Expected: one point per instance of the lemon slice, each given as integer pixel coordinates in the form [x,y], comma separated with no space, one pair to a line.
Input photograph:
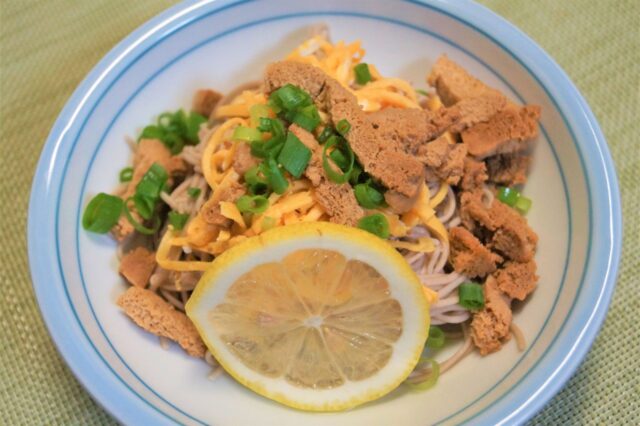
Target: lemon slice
[316,316]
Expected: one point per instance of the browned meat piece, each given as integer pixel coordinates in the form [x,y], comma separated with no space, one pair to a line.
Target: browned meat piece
[204,101]
[469,112]
[517,280]
[408,128]
[469,256]
[490,326]
[242,158]
[511,235]
[210,211]
[137,266]
[506,132]
[453,83]
[153,314]
[444,159]
[508,169]
[475,175]
[381,158]
[338,200]
[148,151]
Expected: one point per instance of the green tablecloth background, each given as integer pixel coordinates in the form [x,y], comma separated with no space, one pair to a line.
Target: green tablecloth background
[47,47]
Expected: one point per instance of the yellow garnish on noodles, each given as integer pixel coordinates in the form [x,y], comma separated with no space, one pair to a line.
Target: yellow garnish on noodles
[440,195]
[230,211]
[163,257]
[209,165]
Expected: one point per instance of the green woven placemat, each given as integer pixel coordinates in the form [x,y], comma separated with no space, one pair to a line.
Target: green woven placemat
[47,47]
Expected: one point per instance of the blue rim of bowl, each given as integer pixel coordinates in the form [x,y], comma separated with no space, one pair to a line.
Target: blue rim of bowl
[474,16]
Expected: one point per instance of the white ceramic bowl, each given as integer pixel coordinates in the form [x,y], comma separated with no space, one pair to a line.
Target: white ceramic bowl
[222,43]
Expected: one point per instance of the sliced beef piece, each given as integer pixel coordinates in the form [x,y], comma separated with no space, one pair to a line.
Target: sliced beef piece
[469,256]
[474,175]
[517,280]
[137,266]
[469,112]
[444,159]
[382,158]
[490,326]
[204,101]
[152,313]
[242,158]
[210,211]
[508,131]
[508,231]
[453,83]
[338,200]
[508,169]
[148,151]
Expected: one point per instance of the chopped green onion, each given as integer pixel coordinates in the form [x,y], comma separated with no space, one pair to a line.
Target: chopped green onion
[343,127]
[339,158]
[307,118]
[258,111]
[126,174]
[145,206]
[137,225]
[272,125]
[193,192]
[178,220]
[247,134]
[471,296]
[290,97]
[102,213]
[294,156]
[331,173]
[152,182]
[274,175]
[509,196]
[326,133]
[363,75]
[194,121]
[422,92]
[270,148]
[376,223]
[523,204]
[436,337]
[152,132]
[355,174]
[425,379]
[367,196]
[256,184]
[252,204]
[175,130]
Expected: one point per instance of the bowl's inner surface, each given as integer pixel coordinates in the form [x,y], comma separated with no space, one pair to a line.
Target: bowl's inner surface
[223,49]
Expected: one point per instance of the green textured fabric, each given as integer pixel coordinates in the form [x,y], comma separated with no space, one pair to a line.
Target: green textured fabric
[47,47]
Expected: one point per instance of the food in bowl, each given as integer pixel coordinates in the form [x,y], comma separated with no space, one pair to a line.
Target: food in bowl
[325,137]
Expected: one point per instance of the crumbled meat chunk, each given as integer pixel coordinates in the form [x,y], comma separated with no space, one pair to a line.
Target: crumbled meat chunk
[153,314]
[508,131]
[469,256]
[490,327]
[474,176]
[511,235]
[137,266]
[469,112]
[204,101]
[148,151]
[407,127]
[337,200]
[242,158]
[508,169]
[210,211]
[445,160]
[517,280]
[383,159]
[453,83]
[400,203]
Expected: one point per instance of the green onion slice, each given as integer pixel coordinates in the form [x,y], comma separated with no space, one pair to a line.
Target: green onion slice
[428,378]
[471,296]
[102,213]
[326,133]
[307,117]
[137,225]
[422,92]
[193,192]
[523,204]
[290,97]
[367,196]
[333,175]
[343,127]
[274,175]
[294,156]
[436,337]
[178,220]
[509,196]
[247,134]
[126,174]
[363,75]
[256,183]
[252,204]
[376,223]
